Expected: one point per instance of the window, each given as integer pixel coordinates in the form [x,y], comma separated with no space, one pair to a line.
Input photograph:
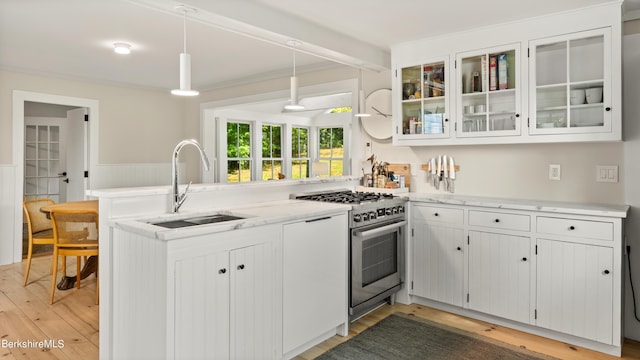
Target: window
[238,152]
[271,151]
[331,149]
[300,153]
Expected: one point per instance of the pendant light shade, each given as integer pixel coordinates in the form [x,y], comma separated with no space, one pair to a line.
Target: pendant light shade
[185,62]
[361,106]
[294,82]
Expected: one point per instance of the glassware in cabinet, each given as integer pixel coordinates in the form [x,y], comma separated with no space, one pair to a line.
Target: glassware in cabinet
[424,101]
[488,96]
[569,83]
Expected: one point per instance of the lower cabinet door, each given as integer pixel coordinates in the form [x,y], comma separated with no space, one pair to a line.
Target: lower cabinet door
[438,263]
[202,307]
[500,275]
[575,289]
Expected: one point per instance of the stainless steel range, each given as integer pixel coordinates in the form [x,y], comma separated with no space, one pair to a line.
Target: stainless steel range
[377,224]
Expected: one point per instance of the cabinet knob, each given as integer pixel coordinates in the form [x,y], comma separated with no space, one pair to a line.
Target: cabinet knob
[524,259]
[606,272]
[222,271]
[241,266]
[572,227]
[446,120]
[607,108]
[517,115]
[458,248]
[497,220]
[436,214]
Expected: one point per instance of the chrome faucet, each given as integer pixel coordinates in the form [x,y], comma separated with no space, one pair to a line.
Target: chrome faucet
[176,198]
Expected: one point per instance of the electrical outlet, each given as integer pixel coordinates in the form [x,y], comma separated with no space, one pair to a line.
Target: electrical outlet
[607,173]
[554,172]
[367,149]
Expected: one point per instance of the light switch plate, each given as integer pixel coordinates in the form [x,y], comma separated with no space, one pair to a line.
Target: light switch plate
[607,173]
[367,149]
[554,172]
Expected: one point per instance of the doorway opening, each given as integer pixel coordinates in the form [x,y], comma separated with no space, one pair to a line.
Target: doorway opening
[28,164]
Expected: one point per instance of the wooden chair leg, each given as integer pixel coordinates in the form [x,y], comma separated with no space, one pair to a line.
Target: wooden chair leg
[26,271]
[78,272]
[53,275]
[97,285]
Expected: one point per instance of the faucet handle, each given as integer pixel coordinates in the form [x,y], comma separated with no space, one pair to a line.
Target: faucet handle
[182,197]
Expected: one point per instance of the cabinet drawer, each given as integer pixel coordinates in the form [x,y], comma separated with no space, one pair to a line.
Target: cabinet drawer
[578,228]
[432,213]
[499,220]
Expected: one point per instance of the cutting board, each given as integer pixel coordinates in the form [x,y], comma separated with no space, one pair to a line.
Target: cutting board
[402,169]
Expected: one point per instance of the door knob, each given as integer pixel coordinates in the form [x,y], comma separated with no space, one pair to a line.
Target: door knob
[66,180]
[64,173]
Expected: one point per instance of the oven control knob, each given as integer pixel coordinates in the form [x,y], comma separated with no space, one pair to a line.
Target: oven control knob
[381,212]
[395,210]
[401,209]
[388,211]
[356,218]
[372,215]
[365,216]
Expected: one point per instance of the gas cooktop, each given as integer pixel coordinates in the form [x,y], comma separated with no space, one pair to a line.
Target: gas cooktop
[343,196]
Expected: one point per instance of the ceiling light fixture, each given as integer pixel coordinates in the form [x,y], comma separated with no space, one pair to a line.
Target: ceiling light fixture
[185,61]
[361,109]
[122,48]
[294,80]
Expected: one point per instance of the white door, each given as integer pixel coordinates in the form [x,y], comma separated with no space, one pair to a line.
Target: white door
[44,159]
[76,153]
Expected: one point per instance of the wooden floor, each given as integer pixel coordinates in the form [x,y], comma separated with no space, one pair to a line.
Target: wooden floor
[630,350]
[26,316]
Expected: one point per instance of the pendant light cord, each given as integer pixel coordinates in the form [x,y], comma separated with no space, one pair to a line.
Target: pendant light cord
[294,62]
[185,31]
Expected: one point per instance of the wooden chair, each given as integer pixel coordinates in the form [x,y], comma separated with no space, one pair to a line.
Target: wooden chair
[75,233]
[39,228]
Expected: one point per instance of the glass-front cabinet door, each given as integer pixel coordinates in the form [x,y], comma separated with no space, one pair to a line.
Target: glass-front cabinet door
[488,92]
[570,83]
[425,90]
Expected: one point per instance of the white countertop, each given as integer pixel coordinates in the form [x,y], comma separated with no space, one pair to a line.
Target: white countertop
[255,215]
[618,211]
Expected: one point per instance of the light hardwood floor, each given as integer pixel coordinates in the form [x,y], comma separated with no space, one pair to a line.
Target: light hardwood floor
[26,316]
[630,350]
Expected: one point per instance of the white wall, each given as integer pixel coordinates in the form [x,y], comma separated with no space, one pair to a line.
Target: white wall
[631,115]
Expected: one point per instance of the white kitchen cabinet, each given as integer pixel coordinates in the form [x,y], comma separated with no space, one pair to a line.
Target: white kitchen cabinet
[315,281]
[424,100]
[544,59]
[438,254]
[488,92]
[575,289]
[223,304]
[500,275]
[571,84]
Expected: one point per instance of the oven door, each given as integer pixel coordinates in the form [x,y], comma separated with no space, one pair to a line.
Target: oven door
[376,260]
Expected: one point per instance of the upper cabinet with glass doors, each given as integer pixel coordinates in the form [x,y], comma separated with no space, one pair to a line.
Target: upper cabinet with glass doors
[488,96]
[570,83]
[552,78]
[424,100]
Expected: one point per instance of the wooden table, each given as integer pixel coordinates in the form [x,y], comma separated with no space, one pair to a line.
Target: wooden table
[71,205]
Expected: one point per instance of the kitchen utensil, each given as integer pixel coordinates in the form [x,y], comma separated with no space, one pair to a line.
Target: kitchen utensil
[577,96]
[445,171]
[439,172]
[432,164]
[594,95]
[452,173]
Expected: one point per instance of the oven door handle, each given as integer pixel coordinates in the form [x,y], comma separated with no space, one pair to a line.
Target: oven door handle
[380,230]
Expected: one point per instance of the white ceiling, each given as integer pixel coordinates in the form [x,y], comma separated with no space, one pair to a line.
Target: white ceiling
[73,38]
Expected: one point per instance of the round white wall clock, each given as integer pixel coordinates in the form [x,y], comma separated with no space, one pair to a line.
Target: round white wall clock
[379,124]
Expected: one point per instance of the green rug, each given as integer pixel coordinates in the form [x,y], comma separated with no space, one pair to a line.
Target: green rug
[401,336]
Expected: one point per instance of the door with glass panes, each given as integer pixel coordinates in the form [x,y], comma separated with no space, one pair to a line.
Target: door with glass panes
[43,164]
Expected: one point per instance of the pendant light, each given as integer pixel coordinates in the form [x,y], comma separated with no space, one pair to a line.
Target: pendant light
[294,81]
[361,106]
[185,61]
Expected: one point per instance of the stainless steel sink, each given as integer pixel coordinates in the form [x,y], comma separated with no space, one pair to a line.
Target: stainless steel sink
[210,219]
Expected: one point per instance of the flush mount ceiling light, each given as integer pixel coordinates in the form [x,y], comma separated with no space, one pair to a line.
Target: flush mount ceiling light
[185,61]
[361,110]
[294,80]
[122,48]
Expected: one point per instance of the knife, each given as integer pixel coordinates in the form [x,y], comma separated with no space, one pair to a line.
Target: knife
[439,172]
[432,164]
[445,170]
[452,173]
